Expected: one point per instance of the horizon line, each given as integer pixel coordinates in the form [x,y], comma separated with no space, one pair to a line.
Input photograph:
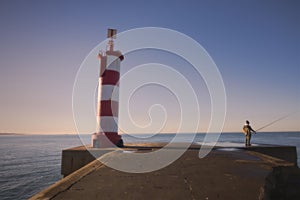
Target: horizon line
[225,132]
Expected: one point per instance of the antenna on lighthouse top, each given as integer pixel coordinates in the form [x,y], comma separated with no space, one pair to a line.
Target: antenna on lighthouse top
[111,34]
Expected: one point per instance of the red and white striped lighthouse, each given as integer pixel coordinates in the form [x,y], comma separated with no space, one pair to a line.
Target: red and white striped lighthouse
[108,97]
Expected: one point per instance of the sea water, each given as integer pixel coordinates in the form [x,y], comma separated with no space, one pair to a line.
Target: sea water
[30,163]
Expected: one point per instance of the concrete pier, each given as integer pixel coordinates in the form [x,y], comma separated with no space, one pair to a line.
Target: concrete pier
[226,173]
[77,157]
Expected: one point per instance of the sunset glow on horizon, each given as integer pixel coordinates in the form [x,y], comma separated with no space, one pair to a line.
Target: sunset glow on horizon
[255,45]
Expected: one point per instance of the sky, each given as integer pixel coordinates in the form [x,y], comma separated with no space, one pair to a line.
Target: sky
[255,45]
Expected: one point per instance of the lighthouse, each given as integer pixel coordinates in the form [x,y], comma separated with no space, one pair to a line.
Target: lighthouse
[106,134]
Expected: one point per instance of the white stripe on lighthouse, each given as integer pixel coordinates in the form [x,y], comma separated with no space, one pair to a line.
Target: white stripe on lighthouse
[108,124]
[110,92]
[98,105]
[113,63]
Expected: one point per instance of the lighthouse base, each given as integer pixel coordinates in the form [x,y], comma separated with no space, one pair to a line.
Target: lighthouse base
[104,140]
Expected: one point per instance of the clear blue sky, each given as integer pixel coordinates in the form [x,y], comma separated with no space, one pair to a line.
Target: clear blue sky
[255,44]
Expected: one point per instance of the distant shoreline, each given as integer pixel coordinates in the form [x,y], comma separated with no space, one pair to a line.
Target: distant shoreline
[30,134]
[12,134]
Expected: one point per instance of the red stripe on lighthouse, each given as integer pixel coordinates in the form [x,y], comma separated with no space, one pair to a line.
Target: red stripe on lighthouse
[109,108]
[113,137]
[110,77]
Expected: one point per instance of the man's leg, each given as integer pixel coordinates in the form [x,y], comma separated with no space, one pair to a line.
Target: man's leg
[249,139]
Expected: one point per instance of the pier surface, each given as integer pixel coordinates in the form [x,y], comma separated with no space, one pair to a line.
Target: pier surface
[226,173]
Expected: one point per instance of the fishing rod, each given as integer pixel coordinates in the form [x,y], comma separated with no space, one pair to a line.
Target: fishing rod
[273,122]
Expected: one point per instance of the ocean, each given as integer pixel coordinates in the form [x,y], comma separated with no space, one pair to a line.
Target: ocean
[30,163]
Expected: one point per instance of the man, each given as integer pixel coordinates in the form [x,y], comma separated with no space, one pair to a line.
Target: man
[247,129]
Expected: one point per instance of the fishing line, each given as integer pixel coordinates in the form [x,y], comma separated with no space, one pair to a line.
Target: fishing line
[273,122]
